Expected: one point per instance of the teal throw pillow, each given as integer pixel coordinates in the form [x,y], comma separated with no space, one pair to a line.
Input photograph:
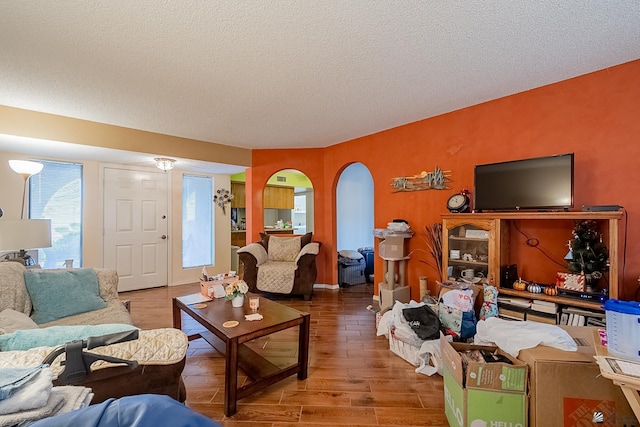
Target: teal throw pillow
[52,336]
[62,293]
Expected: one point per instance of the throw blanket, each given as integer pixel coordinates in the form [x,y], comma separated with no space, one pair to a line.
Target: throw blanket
[164,346]
[515,336]
[278,276]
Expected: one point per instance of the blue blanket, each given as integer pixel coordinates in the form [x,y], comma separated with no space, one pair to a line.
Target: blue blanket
[145,410]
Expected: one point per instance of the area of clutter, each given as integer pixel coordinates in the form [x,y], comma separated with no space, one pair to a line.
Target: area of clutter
[498,371]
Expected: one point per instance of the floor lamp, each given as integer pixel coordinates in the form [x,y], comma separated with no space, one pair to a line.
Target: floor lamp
[18,235]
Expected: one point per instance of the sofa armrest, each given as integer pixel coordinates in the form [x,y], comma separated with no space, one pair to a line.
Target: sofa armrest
[108,284]
[249,270]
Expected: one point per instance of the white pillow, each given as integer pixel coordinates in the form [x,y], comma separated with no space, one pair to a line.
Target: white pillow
[347,253]
[11,321]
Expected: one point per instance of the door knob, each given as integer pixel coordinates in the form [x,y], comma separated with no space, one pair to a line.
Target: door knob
[163,237]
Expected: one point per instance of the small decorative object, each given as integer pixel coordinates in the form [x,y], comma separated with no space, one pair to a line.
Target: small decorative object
[460,202]
[534,288]
[238,301]
[490,304]
[254,304]
[235,292]
[589,254]
[550,290]
[573,282]
[433,240]
[520,285]
[436,180]
[222,198]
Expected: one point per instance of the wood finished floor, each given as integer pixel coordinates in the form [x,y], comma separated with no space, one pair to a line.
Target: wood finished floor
[354,379]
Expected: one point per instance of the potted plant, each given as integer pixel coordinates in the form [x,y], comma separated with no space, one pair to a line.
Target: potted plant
[235,292]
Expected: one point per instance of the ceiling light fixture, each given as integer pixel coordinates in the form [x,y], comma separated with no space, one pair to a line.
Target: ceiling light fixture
[164,163]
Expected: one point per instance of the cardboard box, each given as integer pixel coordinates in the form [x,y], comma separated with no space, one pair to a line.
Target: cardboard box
[393,247]
[388,297]
[479,393]
[567,388]
[214,288]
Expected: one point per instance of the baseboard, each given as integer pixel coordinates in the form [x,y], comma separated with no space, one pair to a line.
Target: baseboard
[325,286]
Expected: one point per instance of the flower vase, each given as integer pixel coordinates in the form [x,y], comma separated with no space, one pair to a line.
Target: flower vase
[238,301]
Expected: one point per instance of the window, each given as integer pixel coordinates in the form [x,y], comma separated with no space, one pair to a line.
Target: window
[56,194]
[197,221]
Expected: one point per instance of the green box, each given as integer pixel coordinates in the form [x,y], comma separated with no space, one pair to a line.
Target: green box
[475,407]
[480,394]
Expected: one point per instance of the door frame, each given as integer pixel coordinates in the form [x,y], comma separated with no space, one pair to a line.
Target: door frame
[101,192]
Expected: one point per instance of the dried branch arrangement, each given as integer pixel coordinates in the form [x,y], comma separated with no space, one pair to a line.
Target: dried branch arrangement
[434,244]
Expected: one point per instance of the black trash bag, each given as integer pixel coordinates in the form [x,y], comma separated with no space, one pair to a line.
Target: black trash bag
[424,322]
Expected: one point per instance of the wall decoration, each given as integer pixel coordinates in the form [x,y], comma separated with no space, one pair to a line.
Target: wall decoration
[436,180]
[222,198]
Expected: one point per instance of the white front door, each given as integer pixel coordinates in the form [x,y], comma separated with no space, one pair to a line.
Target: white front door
[135,227]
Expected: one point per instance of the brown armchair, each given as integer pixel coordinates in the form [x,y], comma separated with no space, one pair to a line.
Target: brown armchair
[280,265]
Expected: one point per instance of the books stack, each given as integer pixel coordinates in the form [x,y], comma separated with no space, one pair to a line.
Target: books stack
[513,308]
[573,316]
[544,306]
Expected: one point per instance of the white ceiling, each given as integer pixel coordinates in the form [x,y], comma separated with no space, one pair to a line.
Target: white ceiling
[280,74]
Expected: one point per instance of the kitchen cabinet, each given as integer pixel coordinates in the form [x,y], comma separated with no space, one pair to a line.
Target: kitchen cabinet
[238,238]
[276,197]
[238,191]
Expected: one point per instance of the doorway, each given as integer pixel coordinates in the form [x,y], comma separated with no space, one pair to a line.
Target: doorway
[288,203]
[136,227]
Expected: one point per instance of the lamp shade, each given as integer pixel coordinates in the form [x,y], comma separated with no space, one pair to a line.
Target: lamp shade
[25,167]
[25,234]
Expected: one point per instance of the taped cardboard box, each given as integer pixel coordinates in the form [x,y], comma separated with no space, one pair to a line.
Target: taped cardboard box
[480,393]
[393,247]
[566,388]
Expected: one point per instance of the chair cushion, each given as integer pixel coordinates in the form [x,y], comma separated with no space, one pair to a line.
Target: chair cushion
[284,248]
[11,321]
[304,239]
[57,335]
[62,293]
[351,254]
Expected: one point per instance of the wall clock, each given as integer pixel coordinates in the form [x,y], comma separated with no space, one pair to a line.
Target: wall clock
[459,203]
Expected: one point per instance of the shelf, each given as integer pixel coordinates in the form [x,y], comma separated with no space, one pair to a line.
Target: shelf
[573,302]
[463,262]
[467,239]
[576,215]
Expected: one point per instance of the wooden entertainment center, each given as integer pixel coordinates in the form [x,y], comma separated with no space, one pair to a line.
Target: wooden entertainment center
[484,239]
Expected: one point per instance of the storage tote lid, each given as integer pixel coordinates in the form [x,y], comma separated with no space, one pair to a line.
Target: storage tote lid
[625,307]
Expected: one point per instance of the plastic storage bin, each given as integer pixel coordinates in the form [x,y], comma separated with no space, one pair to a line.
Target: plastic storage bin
[367,253]
[623,328]
[350,271]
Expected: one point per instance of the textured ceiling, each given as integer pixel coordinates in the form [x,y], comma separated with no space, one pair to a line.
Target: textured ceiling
[280,74]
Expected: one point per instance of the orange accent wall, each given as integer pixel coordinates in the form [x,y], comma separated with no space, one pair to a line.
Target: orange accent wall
[596,116]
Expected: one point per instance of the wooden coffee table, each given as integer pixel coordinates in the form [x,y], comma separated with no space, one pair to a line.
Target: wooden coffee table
[230,342]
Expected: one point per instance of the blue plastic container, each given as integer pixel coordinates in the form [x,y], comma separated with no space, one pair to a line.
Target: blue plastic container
[623,328]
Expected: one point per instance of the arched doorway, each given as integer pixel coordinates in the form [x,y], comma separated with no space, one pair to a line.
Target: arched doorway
[288,203]
[354,212]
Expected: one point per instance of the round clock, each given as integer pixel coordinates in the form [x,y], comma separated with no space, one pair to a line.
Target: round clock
[458,203]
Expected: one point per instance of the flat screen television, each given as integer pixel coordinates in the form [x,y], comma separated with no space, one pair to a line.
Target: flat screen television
[542,183]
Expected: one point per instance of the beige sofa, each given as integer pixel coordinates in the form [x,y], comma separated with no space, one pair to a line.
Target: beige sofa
[14,295]
[160,353]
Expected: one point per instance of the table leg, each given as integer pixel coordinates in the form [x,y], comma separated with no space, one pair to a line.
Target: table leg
[177,315]
[231,377]
[303,346]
